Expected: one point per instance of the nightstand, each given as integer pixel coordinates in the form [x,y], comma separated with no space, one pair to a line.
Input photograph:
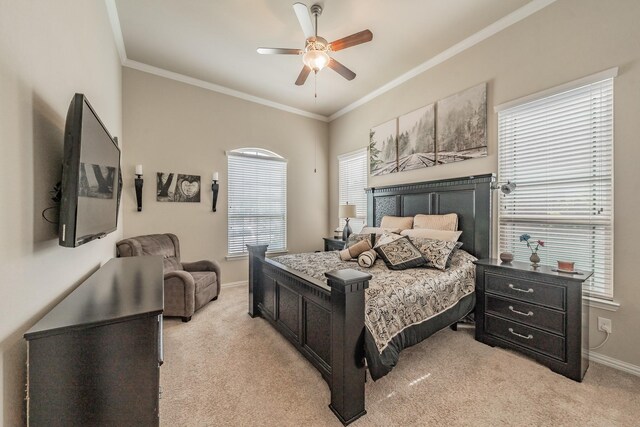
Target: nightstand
[331,244]
[538,312]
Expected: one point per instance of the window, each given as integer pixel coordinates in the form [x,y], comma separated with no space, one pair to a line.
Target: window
[352,181]
[558,149]
[257,202]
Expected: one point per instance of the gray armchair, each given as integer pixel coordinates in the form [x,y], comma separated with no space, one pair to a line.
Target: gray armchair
[188,286]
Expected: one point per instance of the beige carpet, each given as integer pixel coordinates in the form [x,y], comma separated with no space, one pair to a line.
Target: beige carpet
[225,369]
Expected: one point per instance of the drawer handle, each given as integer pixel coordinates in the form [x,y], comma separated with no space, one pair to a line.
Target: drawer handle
[526,337]
[530,313]
[526,291]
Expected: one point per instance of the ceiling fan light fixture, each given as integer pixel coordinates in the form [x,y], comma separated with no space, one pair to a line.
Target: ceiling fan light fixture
[315,59]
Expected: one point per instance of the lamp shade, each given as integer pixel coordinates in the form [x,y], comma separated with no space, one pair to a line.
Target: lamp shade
[347,211]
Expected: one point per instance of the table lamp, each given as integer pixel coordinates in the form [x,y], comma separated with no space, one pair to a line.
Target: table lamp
[347,211]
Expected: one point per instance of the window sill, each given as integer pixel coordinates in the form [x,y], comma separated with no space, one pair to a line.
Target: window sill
[600,303]
[239,257]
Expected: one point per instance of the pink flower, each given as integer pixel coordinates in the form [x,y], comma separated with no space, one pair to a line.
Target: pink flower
[541,243]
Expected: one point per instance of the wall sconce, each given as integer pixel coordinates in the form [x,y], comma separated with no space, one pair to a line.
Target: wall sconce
[506,189]
[214,189]
[138,183]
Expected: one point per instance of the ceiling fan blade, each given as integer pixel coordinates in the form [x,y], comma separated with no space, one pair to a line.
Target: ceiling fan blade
[277,50]
[302,12]
[341,69]
[302,77]
[352,40]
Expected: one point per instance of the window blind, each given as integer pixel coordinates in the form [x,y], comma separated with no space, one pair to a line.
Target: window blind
[352,181]
[559,152]
[257,201]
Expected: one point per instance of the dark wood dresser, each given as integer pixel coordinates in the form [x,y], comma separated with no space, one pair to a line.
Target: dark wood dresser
[331,244]
[538,312]
[94,359]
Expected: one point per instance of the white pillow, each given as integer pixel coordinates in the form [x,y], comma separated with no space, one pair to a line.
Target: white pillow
[379,230]
[426,233]
[401,222]
[436,222]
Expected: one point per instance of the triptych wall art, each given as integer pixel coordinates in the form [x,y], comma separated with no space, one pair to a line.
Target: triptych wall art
[451,130]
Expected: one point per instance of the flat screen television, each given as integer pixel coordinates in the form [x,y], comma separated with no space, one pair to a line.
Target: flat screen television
[91,177]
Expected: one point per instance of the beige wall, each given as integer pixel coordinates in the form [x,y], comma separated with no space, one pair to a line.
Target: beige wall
[563,42]
[175,127]
[48,51]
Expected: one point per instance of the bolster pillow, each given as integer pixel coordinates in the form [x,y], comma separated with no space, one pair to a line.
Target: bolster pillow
[367,258]
[354,250]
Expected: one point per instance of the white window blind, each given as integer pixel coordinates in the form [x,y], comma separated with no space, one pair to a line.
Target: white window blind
[257,205]
[352,181]
[559,152]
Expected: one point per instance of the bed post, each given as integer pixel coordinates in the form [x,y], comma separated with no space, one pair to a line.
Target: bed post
[347,343]
[256,256]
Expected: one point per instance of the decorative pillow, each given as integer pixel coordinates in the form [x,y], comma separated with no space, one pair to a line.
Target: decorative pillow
[401,222]
[400,254]
[386,238]
[354,250]
[367,258]
[356,238]
[435,252]
[436,222]
[455,249]
[427,233]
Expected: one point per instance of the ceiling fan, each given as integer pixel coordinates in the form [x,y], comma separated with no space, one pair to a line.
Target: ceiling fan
[315,54]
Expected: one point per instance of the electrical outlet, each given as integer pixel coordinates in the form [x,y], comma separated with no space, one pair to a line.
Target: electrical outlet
[604,324]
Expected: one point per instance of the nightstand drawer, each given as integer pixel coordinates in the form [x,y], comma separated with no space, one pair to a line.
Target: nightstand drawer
[525,290]
[534,339]
[533,315]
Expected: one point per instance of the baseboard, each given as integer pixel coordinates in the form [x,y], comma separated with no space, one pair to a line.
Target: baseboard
[234,284]
[614,363]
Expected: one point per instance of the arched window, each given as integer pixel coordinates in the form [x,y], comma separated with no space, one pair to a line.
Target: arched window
[257,200]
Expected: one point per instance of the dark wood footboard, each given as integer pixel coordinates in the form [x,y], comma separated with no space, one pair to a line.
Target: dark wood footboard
[325,322]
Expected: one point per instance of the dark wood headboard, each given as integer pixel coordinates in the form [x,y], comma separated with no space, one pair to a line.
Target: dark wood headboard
[469,197]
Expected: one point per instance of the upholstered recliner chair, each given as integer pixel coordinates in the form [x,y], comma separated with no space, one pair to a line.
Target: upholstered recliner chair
[188,286]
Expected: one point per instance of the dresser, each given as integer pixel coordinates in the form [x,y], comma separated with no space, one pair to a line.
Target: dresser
[95,358]
[538,312]
[331,244]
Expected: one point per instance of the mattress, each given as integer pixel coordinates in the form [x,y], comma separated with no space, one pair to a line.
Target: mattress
[399,305]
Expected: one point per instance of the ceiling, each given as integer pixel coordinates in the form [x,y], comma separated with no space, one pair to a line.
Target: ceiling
[215,41]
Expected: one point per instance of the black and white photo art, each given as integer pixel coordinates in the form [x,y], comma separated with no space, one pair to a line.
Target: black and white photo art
[174,187]
[416,139]
[383,150]
[462,125]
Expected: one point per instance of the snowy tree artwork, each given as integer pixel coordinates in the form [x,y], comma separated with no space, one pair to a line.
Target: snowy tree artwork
[383,150]
[462,126]
[416,139]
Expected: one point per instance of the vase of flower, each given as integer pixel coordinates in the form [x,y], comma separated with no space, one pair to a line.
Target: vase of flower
[535,259]
[533,245]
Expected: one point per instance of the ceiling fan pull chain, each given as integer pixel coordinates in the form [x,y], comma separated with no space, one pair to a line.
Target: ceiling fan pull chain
[315,85]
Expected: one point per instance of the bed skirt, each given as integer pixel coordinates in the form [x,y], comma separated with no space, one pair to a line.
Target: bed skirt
[380,364]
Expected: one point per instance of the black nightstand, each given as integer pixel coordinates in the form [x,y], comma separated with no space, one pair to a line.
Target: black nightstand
[331,244]
[538,312]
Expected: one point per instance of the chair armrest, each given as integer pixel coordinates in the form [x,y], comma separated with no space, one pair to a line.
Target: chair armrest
[181,275]
[203,265]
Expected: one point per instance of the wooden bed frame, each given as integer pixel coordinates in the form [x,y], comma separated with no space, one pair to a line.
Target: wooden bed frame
[325,322]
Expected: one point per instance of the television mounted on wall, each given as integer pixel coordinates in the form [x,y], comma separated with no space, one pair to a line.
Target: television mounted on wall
[91,177]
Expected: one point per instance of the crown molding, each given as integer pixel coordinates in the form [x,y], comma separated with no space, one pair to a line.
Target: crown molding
[501,24]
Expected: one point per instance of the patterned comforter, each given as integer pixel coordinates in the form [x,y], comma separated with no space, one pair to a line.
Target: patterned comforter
[396,300]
